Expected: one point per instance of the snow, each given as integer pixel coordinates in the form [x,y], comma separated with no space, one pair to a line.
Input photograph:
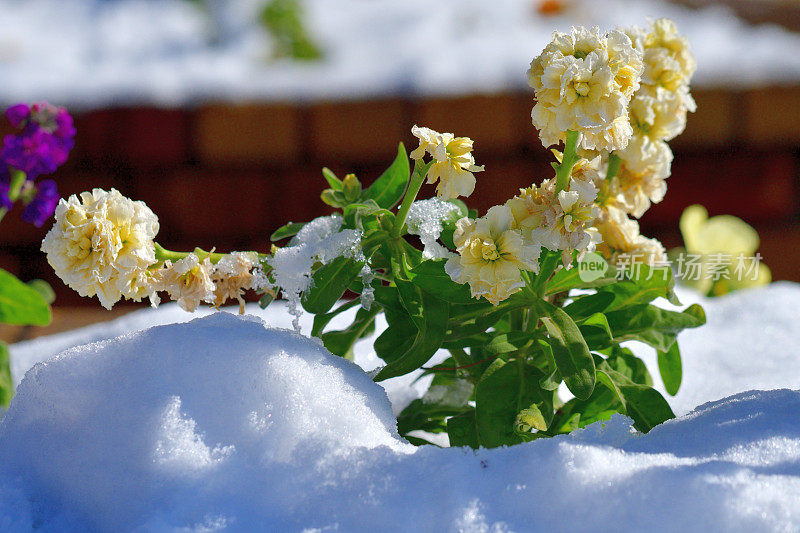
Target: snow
[425,219]
[92,53]
[222,423]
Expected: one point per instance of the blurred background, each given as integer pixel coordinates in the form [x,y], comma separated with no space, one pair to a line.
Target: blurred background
[219,114]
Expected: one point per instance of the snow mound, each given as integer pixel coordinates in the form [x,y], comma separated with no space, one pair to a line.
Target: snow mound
[175,418]
[223,424]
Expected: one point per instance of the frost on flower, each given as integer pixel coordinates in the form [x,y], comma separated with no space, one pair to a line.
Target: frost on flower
[560,222]
[621,241]
[102,244]
[320,241]
[583,82]
[188,281]
[453,164]
[425,219]
[233,275]
[491,255]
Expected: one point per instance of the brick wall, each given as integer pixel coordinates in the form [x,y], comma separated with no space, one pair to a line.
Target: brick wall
[228,175]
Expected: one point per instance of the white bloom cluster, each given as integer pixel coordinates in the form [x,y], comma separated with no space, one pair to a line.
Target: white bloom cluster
[658,114]
[560,222]
[621,239]
[102,244]
[425,219]
[583,82]
[453,163]
[491,254]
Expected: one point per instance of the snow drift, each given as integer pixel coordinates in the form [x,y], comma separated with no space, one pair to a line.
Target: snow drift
[224,424]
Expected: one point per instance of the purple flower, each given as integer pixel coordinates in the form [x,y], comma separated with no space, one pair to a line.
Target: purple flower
[43,205]
[5,186]
[18,115]
[34,152]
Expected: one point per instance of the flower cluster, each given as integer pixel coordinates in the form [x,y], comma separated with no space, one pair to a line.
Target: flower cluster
[453,164]
[43,144]
[102,244]
[584,82]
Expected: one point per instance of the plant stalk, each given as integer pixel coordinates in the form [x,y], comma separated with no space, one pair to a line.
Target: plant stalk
[417,177]
[568,160]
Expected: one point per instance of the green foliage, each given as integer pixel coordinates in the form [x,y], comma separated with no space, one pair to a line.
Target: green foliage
[507,361]
[21,304]
[284,21]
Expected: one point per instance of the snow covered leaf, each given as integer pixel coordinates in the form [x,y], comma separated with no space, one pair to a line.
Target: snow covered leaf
[330,282]
[288,230]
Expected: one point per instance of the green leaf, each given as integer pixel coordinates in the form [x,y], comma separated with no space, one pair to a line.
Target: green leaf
[670,368]
[652,325]
[510,342]
[507,397]
[388,189]
[642,403]
[626,363]
[432,314]
[564,280]
[648,285]
[330,282]
[43,288]
[20,304]
[341,342]
[6,383]
[596,331]
[463,430]
[585,306]
[289,230]
[431,277]
[570,351]
[447,396]
[322,319]
[334,182]
[552,380]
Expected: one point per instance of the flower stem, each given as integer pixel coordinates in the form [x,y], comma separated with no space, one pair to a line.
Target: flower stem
[568,160]
[417,177]
[14,188]
[614,164]
[162,254]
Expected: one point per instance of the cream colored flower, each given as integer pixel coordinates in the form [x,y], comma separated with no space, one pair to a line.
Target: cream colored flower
[668,60]
[622,244]
[101,244]
[659,113]
[453,164]
[491,255]
[583,81]
[641,179]
[232,276]
[188,281]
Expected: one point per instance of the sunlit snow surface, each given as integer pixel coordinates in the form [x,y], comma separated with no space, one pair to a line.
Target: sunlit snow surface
[90,53]
[223,424]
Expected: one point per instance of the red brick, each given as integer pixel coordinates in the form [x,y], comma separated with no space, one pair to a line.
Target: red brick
[209,204]
[357,131]
[752,185]
[771,116]
[491,121]
[153,136]
[715,123]
[249,133]
[780,249]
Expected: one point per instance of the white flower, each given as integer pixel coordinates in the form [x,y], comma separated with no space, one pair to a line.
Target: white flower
[659,113]
[641,179]
[622,243]
[491,255]
[188,281]
[232,275]
[584,82]
[453,164]
[102,244]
